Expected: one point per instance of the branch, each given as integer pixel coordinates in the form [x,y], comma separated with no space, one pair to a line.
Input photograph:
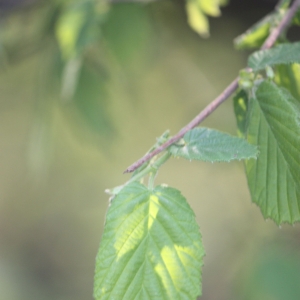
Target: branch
[199,118]
[229,90]
[286,20]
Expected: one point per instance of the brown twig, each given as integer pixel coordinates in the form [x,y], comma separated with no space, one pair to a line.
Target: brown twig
[229,90]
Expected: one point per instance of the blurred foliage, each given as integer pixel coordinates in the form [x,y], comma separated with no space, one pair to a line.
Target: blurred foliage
[255,36]
[85,41]
[125,39]
[272,274]
[197,11]
[68,30]
[81,42]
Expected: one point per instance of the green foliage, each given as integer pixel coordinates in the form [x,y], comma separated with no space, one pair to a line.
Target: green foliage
[273,123]
[197,11]
[77,29]
[127,32]
[213,146]
[78,26]
[255,36]
[281,54]
[151,247]
[90,100]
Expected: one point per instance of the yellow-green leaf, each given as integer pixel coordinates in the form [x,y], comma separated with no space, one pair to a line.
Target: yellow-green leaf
[196,19]
[151,247]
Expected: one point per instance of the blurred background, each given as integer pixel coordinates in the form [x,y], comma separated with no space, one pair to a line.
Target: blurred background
[86,87]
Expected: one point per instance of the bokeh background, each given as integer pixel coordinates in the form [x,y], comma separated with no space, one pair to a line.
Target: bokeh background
[86,87]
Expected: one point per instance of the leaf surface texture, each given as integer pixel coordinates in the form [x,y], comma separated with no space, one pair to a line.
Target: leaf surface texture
[151,247]
[274,178]
[211,145]
[281,54]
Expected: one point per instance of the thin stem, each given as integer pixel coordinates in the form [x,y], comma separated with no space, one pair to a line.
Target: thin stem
[206,112]
[151,180]
[229,90]
[286,20]
[151,168]
[161,160]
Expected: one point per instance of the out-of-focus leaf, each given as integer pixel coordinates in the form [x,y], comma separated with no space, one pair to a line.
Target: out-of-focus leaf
[90,101]
[79,25]
[255,36]
[281,54]
[151,247]
[212,145]
[68,29]
[209,7]
[128,32]
[274,178]
[296,19]
[197,11]
[196,18]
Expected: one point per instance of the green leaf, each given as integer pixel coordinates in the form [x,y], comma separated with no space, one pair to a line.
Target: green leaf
[197,11]
[210,7]
[78,26]
[212,145]
[274,178]
[281,54]
[151,247]
[255,36]
[197,19]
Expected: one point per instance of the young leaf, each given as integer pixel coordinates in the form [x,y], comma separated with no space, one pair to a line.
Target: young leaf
[196,18]
[212,145]
[255,36]
[197,11]
[281,54]
[151,247]
[274,178]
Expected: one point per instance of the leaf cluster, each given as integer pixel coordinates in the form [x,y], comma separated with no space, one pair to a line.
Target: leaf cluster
[152,247]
